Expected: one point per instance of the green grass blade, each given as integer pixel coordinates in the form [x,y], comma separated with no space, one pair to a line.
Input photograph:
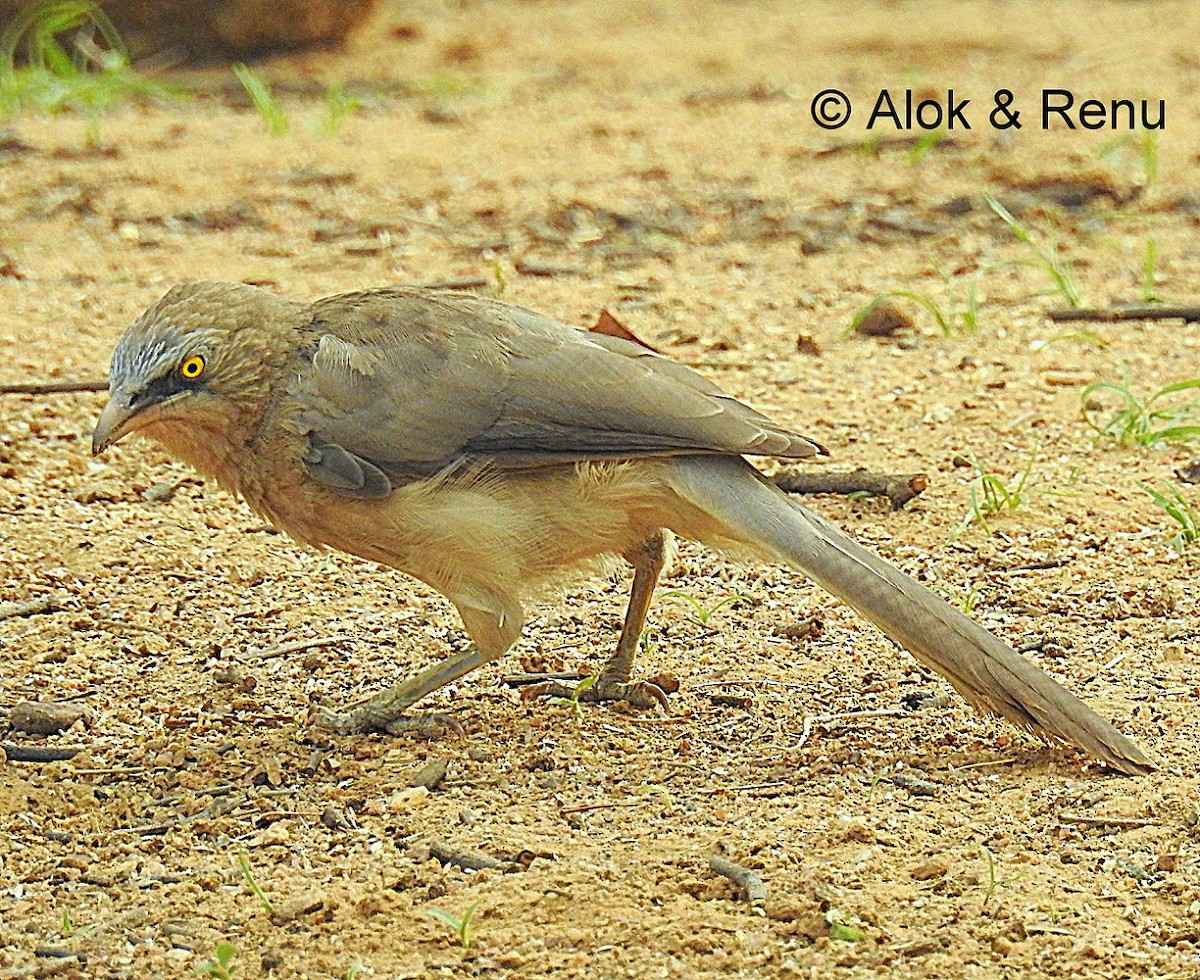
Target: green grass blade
[263,100]
[1062,279]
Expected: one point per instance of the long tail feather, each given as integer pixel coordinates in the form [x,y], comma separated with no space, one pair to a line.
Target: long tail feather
[988,672]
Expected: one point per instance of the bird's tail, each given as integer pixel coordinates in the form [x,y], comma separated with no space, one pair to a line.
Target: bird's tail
[745,508]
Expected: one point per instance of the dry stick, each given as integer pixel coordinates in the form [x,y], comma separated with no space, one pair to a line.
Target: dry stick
[52,387]
[37,753]
[1189,314]
[875,146]
[459,282]
[656,721]
[747,787]
[523,680]
[292,646]
[810,720]
[1115,660]
[1033,566]
[1084,818]
[915,785]
[464,857]
[744,878]
[898,488]
[747,682]
[983,765]
[217,808]
[30,607]
[588,807]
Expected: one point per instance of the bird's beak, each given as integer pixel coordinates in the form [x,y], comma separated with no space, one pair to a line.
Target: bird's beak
[115,421]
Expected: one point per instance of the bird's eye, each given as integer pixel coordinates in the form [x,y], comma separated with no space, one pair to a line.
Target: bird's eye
[192,368]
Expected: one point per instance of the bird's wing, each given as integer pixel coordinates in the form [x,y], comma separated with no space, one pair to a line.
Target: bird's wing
[405,382]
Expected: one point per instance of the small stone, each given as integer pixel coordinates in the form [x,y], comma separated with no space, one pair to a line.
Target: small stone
[928,870]
[667,683]
[276,833]
[806,345]
[337,817]
[407,799]
[430,775]
[46,717]
[296,907]
[859,832]
[883,319]
[160,493]
[921,947]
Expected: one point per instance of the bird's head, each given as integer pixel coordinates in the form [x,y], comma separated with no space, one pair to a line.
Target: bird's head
[195,368]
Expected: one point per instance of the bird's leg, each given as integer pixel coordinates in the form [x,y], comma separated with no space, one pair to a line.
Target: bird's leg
[492,631]
[613,683]
[387,710]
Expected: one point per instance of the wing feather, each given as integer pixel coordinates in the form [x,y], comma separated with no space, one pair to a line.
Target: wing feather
[404,382]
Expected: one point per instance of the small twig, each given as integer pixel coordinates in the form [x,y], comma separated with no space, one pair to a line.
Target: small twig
[524,680]
[458,282]
[915,785]
[587,807]
[38,753]
[54,953]
[747,787]
[898,488]
[983,765]
[1033,566]
[876,146]
[668,720]
[292,646]
[147,830]
[217,808]
[52,387]
[747,682]
[744,878]
[1083,818]
[107,770]
[1115,660]
[529,266]
[810,720]
[1189,314]
[30,607]
[464,857]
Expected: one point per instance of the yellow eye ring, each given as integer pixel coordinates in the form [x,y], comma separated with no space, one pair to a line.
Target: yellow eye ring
[192,368]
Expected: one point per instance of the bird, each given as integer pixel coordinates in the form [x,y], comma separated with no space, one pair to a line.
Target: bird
[486,449]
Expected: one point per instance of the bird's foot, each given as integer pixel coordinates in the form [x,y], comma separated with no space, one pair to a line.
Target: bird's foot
[367,716]
[637,694]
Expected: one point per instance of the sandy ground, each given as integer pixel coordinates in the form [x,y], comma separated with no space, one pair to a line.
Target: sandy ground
[658,161]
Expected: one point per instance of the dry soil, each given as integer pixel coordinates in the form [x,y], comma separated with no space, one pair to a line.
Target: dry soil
[659,161]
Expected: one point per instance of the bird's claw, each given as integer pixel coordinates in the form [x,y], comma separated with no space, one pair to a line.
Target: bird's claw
[637,694]
[431,726]
[363,718]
